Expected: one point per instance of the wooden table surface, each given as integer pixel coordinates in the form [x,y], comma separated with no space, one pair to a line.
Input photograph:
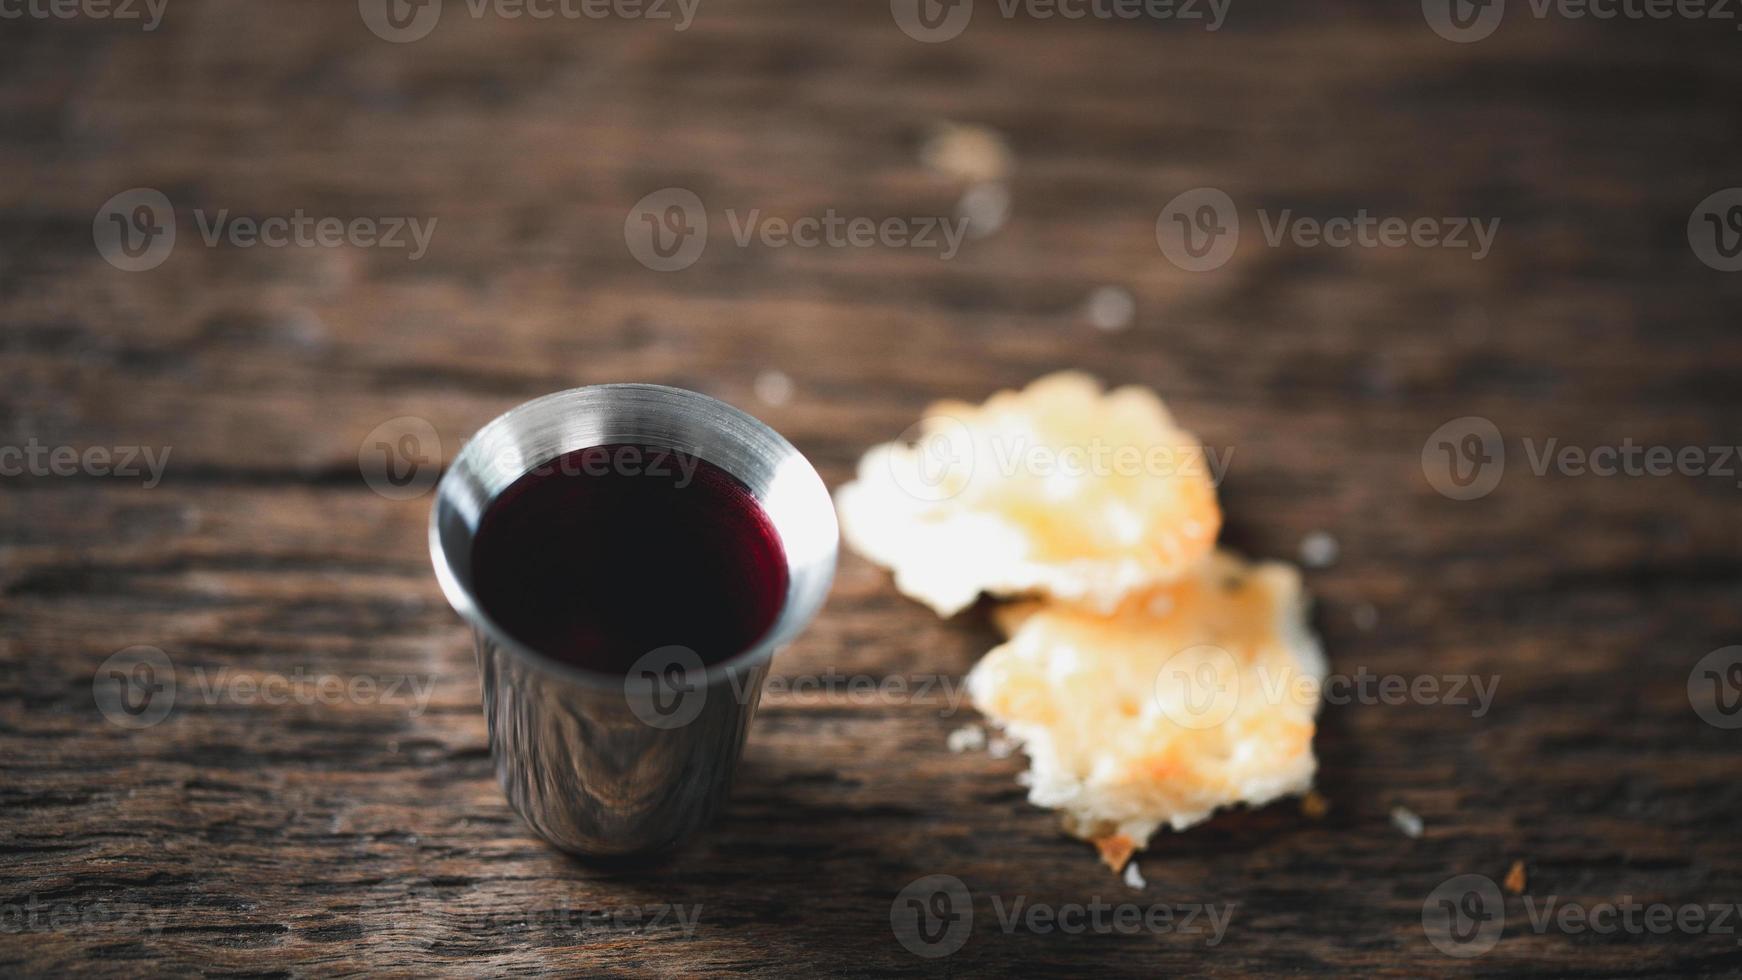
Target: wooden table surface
[366,832]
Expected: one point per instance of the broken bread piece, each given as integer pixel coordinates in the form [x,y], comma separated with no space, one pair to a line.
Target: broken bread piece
[1184,699]
[1059,489]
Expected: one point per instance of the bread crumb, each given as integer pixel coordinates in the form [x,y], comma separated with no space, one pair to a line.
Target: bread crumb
[1110,308]
[1319,550]
[1405,819]
[968,152]
[984,208]
[1116,850]
[773,387]
[1366,617]
[1314,806]
[1515,878]
[1134,877]
[967,737]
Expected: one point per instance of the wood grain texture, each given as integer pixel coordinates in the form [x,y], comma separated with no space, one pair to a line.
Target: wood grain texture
[370,836]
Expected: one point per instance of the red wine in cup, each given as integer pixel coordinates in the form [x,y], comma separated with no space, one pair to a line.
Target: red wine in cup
[604,554]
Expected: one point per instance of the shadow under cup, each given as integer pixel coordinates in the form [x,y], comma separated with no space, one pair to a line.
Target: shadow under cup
[617,764]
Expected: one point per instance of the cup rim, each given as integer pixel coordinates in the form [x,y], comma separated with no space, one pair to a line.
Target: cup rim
[723,419]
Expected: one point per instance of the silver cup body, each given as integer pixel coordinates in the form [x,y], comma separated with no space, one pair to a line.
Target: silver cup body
[605,765]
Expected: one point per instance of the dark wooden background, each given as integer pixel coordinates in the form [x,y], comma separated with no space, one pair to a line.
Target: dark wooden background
[313,839]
